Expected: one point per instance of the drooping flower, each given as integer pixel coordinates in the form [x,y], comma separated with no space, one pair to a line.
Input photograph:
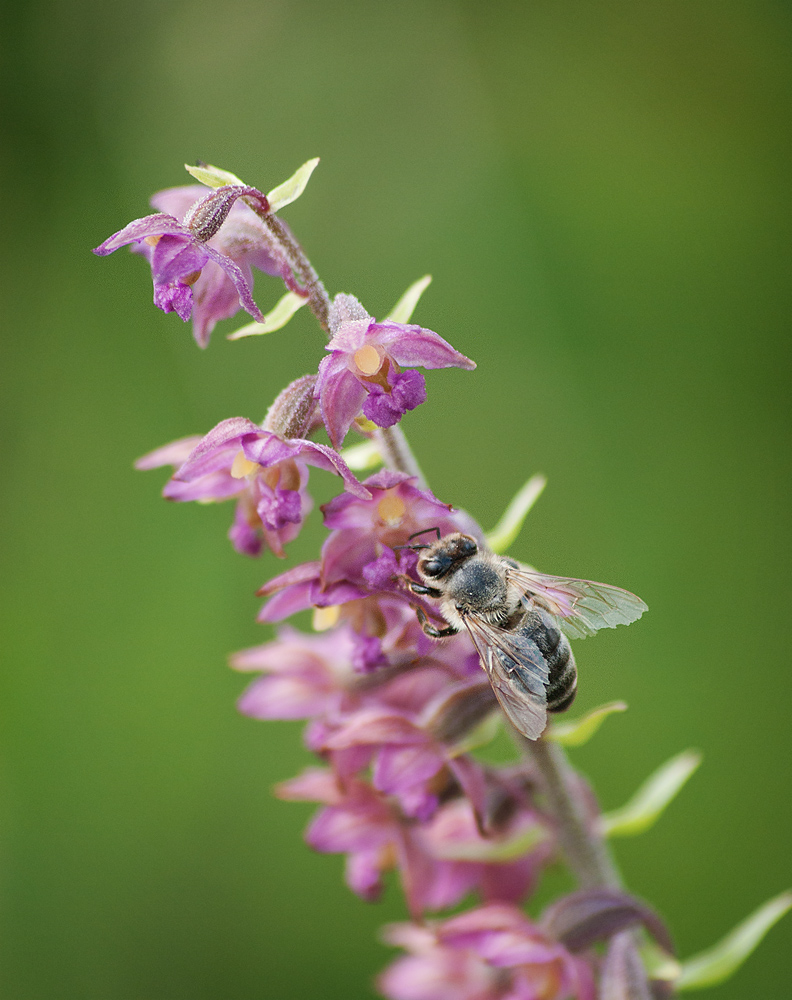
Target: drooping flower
[492,953]
[201,247]
[364,368]
[267,473]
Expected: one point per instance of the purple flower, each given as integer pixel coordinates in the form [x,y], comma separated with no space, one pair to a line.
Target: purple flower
[364,368]
[371,831]
[358,557]
[307,675]
[409,758]
[504,865]
[268,474]
[201,248]
[491,953]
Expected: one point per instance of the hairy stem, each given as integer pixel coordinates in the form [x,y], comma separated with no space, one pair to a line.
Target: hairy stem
[318,299]
[585,849]
[395,449]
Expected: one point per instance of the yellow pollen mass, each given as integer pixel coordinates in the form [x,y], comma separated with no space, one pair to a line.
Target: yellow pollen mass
[367,360]
[242,466]
[391,508]
[152,240]
[325,618]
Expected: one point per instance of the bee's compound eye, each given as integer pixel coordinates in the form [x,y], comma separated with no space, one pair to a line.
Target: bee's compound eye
[467,546]
[431,567]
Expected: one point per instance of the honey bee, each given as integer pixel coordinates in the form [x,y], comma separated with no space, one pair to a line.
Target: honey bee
[520,621]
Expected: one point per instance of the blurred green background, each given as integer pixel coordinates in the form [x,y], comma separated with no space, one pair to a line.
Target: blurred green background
[601,193]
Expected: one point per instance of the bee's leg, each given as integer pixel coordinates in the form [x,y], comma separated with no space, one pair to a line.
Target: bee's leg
[422,590]
[430,630]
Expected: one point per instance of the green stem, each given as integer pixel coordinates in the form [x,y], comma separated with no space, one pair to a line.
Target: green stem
[586,851]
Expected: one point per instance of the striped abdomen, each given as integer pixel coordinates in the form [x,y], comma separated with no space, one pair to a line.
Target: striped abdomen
[561,684]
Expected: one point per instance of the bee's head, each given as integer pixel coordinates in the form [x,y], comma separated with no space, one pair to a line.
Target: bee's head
[446,553]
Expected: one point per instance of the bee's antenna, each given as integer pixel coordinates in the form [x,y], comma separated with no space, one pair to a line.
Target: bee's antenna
[415,534]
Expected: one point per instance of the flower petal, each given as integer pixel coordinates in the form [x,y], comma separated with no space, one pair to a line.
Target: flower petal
[415,346]
[340,397]
[150,225]
[241,281]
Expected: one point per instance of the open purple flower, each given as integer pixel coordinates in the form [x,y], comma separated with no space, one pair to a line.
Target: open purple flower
[268,474]
[359,557]
[306,675]
[364,369]
[375,837]
[201,247]
[492,953]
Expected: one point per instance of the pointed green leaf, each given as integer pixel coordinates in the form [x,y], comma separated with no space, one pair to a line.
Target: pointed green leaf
[360,457]
[276,318]
[651,798]
[507,529]
[718,963]
[284,194]
[404,308]
[212,177]
[658,963]
[579,731]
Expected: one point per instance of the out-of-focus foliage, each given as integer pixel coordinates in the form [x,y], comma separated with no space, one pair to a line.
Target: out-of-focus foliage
[601,194]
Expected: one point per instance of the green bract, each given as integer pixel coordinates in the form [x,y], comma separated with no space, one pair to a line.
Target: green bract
[507,529]
[579,731]
[275,319]
[652,797]
[284,194]
[721,961]
[213,177]
[362,456]
[405,307]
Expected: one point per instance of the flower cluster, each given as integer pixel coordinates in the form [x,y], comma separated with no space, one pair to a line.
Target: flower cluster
[394,717]
[391,714]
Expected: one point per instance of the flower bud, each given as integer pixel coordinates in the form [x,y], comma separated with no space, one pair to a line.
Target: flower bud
[206,217]
[294,412]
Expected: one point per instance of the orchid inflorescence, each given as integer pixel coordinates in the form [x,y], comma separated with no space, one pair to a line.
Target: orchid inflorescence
[395,717]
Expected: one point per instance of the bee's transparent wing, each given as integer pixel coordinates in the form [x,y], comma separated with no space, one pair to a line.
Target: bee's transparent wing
[581,606]
[517,671]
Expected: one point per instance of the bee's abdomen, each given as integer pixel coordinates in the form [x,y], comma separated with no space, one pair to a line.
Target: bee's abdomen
[561,684]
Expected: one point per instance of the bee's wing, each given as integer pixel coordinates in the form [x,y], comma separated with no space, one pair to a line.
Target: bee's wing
[581,606]
[517,671]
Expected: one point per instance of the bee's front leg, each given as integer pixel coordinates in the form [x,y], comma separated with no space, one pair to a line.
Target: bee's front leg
[430,630]
[422,590]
